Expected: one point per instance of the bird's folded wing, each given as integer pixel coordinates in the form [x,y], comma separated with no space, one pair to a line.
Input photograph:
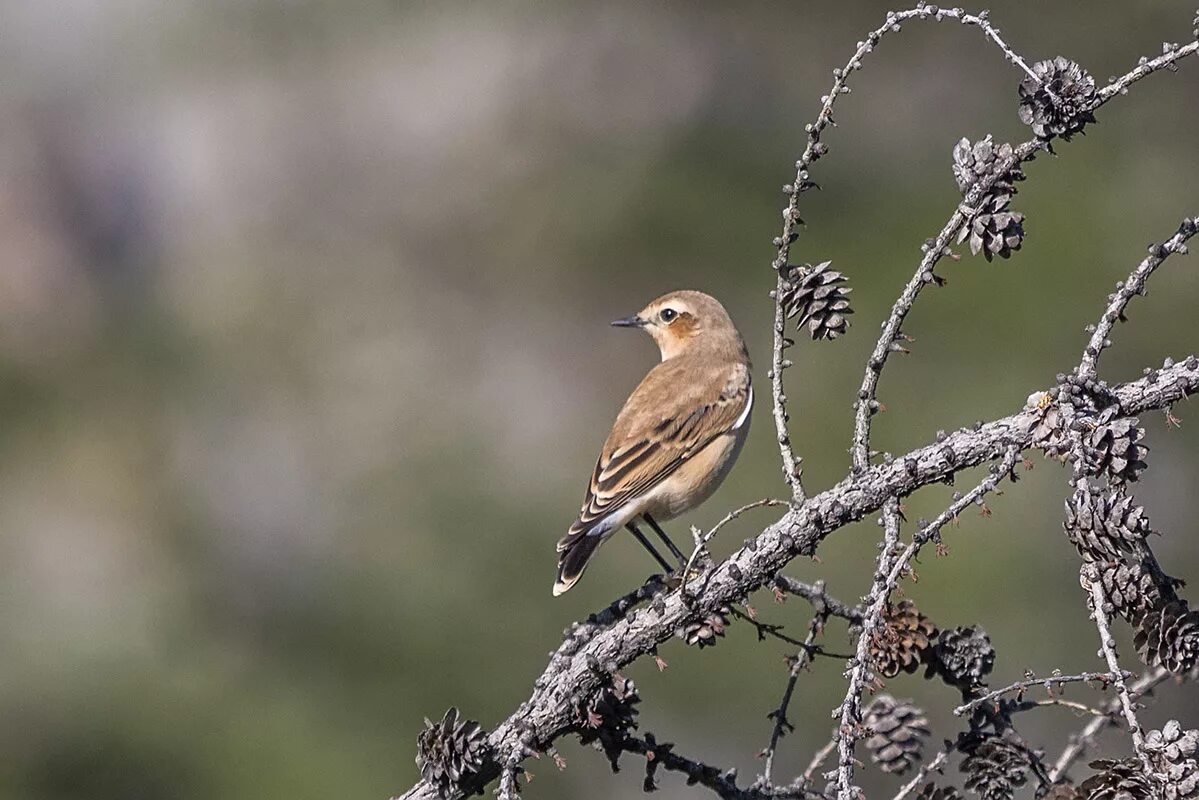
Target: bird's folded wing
[668,419]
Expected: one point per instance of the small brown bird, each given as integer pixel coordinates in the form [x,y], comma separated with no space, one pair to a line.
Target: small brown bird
[676,437]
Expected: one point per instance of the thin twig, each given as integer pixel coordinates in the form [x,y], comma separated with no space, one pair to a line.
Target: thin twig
[851,706]
[818,597]
[1020,686]
[1108,645]
[1086,737]
[701,541]
[722,782]
[925,770]
[818,759]
[781,724]
[1129,288]
[1071,704]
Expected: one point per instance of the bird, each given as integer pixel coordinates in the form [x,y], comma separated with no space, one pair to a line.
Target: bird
[677,436]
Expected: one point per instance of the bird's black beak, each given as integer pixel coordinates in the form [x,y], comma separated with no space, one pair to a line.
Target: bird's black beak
[629,322]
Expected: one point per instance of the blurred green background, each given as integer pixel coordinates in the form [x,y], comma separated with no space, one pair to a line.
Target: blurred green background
[304,358]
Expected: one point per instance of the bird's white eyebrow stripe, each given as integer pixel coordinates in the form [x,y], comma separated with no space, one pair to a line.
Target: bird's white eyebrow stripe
[749,404]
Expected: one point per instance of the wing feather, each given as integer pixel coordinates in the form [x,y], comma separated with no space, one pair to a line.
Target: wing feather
[659,429]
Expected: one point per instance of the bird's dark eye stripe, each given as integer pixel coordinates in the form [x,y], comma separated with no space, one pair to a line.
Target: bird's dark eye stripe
[668,314]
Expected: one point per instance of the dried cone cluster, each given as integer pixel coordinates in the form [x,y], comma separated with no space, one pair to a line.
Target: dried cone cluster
[1119,780]
[994,230]
[1104,526]
[1172,751]
[933,792]
[963,657]
[450,751]
[1169,637]
[609,715]
[1059,100]
[818,297]
[1130,589]
[1113,448]
[704,632]
[994,767]
[898,730]
[902,642]
[973,162]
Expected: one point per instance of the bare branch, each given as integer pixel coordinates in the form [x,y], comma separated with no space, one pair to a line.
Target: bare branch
[925,770]
[1021,686]
[1086,737]
[549,713]
[779,715]
[1108,645]
[818,597]
[1126,290]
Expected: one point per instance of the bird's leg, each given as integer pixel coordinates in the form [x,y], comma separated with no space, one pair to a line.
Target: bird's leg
[646,544]
[657,529]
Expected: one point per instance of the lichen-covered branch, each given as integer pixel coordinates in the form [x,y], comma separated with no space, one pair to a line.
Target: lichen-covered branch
[549,712]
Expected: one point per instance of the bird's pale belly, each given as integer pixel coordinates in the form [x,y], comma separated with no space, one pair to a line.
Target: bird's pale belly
[696,480]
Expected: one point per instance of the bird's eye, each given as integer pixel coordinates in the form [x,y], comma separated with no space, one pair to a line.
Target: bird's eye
[668,315]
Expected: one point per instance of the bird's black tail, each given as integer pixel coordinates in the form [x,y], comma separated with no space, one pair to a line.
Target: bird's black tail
[574,552]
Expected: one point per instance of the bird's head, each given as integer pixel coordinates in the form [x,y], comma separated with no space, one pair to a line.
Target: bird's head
[683,320]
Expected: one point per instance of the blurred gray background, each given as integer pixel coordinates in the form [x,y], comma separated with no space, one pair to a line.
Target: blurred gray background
[304,358]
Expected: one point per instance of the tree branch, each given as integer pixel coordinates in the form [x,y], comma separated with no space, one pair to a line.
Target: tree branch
[549,712]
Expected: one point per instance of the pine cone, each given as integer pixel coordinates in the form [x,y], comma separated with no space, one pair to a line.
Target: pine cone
[609,715]
[962,657]
[1113,448]
[1131,589]
[1172,752]
[994,767]
[1059,104]
[901,643]
[933,792]
[1048,430]
[994,230]
[1103,527]
[816,295]
[974,162]
[1169,637]
[898,730]
[1172,743]
[448,752]
[1119,780]
[1064,791]
[704,632]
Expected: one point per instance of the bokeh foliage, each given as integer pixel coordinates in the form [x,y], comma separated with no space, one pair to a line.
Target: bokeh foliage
[304,357]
